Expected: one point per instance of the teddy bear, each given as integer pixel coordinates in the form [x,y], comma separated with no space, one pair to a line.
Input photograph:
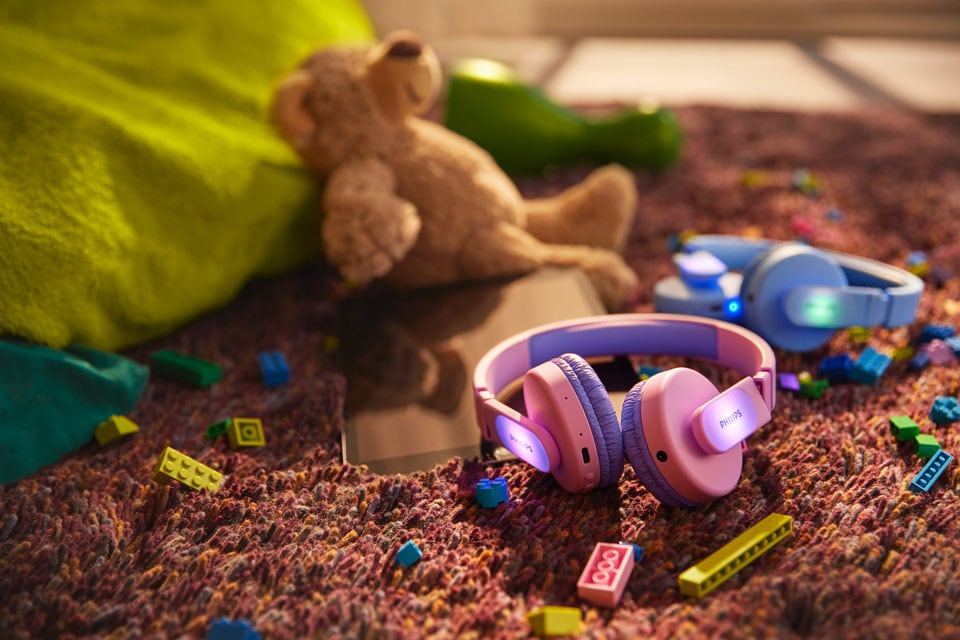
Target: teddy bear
[412,204]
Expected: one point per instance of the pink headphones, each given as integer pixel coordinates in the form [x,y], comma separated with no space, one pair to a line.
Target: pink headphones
[679,432]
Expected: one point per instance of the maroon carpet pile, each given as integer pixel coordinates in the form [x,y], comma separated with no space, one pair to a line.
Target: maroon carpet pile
[302,545]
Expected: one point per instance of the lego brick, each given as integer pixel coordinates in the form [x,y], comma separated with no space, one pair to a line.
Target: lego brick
[954,344]
[813,388]
[917,263]
[554,621]
[645,372]
[217,429]
[490,493]
[931,471]
[185,368]
[939,352]
[788,381]
[225,629]
[637,550]
[113,428]
[945,409]
[245,432]
[409,553]
[273,368]
[925,445]
[836,368]
[904,428]
[936,332]
[859,334]
[919,361]
[715,569]
[173,465]
[902,353]
[606,574]
[870,366]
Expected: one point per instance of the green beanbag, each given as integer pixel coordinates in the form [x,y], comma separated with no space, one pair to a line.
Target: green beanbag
[141,184]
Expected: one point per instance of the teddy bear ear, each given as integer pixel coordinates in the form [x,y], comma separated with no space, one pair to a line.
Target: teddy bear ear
[290,112]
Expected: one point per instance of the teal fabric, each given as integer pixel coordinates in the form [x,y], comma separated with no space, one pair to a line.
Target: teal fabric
[52,400]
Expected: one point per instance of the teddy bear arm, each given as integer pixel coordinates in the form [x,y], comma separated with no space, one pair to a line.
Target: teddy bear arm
[367,228]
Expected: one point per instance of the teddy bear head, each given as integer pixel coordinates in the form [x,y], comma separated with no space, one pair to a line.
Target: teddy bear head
[344,102]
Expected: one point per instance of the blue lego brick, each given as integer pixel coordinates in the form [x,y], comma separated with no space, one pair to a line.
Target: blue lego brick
[936,332]
[273,368]
[637,550]
[870,366]
[945,409]
[920,361]
[646,371]
[836,368]
[225,629]
[409,553]
[490,493]
[931,471]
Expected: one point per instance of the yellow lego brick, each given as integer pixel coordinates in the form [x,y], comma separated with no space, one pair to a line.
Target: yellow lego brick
[715,569]
[245,432]
[174,465]
[554,621]
[114,427]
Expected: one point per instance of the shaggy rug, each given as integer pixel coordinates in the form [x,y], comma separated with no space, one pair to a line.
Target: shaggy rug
[302,545]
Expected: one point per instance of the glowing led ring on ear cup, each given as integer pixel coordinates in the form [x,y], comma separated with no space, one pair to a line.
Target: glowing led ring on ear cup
[769,277]
[659,443]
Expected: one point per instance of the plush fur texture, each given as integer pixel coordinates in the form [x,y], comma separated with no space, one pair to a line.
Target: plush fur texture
[411,202]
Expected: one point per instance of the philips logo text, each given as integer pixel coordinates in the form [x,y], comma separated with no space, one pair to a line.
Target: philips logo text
[730,419]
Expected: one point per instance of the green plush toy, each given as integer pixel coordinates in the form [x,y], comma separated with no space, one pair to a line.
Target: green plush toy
[141,183]
[526,132]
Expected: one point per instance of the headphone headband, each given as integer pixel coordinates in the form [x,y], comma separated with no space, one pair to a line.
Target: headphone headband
[622,334]
[879,293]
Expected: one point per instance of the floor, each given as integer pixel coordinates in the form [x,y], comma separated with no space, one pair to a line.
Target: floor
[825,74]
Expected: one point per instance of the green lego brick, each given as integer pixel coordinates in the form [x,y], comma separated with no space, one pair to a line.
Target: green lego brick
[925,445]
[185,368]
[904,428]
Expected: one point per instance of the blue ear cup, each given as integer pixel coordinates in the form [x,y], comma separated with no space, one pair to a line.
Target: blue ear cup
[639,454]
[768,278]
[600,413]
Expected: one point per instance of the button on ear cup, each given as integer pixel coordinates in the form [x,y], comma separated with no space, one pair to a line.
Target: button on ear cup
[770,276]
[659,442]
[636,451]
[601,416]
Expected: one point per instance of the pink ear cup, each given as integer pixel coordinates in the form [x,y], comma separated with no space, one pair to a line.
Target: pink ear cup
[569,400]
[659,442]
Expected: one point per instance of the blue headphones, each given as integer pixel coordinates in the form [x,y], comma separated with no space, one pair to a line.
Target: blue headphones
[791,294]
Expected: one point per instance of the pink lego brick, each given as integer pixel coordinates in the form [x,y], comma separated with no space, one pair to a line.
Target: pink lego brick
[605,576]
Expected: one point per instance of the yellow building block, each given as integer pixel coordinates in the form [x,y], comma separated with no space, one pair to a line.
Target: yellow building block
[114,427]
[174,465]
[715,569]
[554,621]
[245,432]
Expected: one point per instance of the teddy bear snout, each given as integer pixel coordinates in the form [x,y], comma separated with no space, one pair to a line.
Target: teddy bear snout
[406,47]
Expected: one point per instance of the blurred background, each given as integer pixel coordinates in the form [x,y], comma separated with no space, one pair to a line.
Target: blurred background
[783,54]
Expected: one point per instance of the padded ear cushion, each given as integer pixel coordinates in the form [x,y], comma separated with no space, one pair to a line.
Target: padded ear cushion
[601,416]
[770,276]
[639,454]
